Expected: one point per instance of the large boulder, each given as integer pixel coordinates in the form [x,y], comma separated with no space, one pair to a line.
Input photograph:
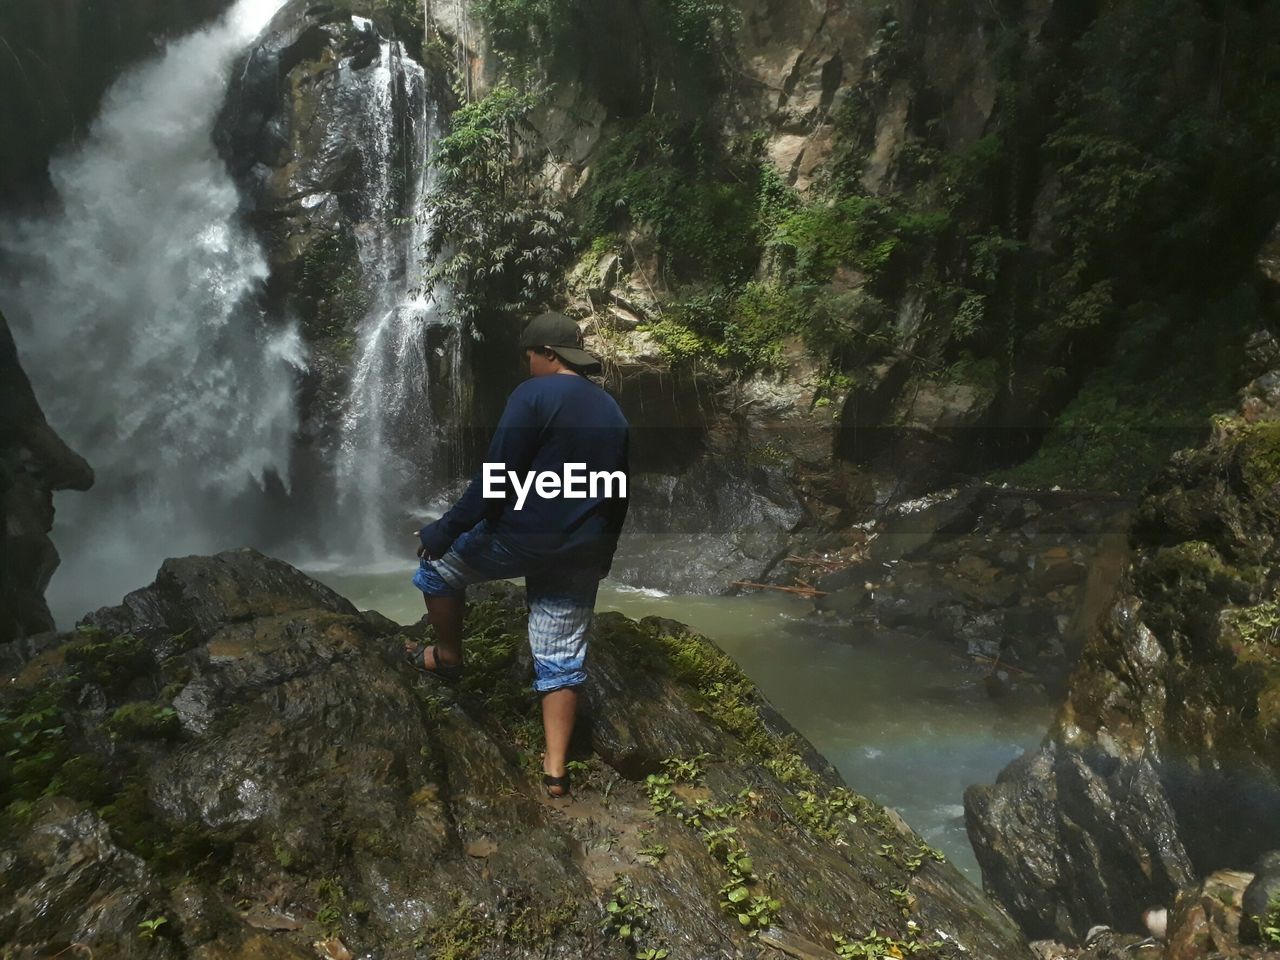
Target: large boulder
[1164,763]
[236,763]
[34,462]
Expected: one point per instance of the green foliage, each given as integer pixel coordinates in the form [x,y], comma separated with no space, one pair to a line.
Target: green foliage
[539,923]
[461,934]
[740,330]
[528,29]
[743,330]
[862,232]
[523,26]
[1257,625]
[1257,450]
[626,916]
[823,813]
[754,910]
[702,25]
[1269,926]
[879,946]
[655,852]
[675,177]
[1153,397]
[686,769]
[662,797]
[911,860]
[45,752]
[144,720]
[112,664]
[495,235]
[147,928]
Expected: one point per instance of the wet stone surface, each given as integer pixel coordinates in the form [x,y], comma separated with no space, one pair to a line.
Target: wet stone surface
[236,763]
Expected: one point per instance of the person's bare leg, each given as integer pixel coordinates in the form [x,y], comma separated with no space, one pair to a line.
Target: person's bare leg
[559,708]
[445,616]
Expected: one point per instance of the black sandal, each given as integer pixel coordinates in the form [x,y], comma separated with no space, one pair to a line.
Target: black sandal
[445,671]
[548,781]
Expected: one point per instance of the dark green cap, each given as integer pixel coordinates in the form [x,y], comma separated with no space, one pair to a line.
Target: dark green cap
[559,333]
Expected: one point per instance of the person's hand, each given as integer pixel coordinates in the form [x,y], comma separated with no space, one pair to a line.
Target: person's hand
[422,549]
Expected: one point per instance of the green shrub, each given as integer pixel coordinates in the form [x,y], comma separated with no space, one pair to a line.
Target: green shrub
[497,238]
[674,177]
[857,231]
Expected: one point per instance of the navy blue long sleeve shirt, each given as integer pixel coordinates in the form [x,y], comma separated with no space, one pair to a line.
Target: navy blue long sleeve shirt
[549,421]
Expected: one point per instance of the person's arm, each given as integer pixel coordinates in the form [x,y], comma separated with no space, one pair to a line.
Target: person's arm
[514,443]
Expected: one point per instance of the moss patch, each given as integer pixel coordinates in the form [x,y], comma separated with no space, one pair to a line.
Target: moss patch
[1257,454]
[48,747]
[144,720]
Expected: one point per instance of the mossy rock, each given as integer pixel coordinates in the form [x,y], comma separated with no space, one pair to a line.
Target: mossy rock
[144,720]
[112,664]
[1196,567]
[1257,457]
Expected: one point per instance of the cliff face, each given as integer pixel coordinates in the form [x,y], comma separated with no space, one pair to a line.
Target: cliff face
[236,750]
[59,58]
[34,462]
[953,215]
[1164,763]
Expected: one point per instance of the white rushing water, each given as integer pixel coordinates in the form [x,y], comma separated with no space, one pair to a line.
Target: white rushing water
[134,307]
[389,436]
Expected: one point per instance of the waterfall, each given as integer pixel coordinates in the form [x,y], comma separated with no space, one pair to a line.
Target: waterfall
[389,439]
[135,309]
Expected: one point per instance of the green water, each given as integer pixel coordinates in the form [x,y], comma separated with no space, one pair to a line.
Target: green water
[903,719]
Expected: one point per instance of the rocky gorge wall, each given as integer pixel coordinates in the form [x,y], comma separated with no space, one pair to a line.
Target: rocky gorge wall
[893,246]
[1162,765]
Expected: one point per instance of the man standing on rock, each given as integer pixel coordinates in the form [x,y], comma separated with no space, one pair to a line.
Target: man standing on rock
[548,505]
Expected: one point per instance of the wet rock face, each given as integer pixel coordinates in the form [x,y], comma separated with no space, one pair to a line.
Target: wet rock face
[1015,577]
[327,128]
[1163,764]
[696,532]
[252,762]
[295,132]
[34,462]
[323,131]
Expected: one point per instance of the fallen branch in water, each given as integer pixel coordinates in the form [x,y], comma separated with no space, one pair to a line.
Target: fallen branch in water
[802,590]
[826,563]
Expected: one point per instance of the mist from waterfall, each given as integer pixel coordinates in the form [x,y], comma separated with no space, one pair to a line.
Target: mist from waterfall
[389,438]
[135,307]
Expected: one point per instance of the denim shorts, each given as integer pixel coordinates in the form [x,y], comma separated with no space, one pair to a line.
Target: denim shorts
[561,600]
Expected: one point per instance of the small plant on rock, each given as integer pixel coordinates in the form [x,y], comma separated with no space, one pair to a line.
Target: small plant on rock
[147,928]
[626,915]
[1269,925]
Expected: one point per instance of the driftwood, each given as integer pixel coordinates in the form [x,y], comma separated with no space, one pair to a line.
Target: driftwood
[805,590]
[825,563]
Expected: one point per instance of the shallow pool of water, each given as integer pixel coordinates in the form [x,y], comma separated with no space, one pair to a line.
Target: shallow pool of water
[903,719]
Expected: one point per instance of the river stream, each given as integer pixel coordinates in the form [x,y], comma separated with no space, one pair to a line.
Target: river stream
[905,721]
